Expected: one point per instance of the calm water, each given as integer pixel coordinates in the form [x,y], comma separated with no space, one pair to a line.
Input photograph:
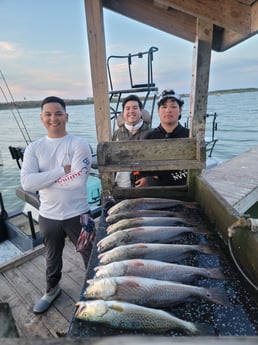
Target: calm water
[237,132]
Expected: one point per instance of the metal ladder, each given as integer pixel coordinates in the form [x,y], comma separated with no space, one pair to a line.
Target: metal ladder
[146,90]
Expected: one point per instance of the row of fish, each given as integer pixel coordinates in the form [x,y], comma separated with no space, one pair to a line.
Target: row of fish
[138,270]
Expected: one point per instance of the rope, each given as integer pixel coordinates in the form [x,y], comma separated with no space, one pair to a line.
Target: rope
[23,130]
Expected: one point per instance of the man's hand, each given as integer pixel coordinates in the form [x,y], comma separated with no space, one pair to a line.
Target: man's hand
[67,169]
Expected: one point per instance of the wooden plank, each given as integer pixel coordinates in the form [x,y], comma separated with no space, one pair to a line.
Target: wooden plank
[26,322]
[73,275]
[64,304]
[228,14]
[29,255]
[22,286]
[179,18]
[149,155]
[172,21]
[29,294]
[236,180]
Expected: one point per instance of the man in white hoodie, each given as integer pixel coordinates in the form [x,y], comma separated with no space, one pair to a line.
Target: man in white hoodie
[57,166]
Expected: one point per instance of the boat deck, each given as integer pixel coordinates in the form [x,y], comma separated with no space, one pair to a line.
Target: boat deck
[236,180]
[22,283]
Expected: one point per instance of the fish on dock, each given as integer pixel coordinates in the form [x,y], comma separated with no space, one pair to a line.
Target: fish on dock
[144,221]
[127,316]
[150,292]
[154,251]
[150,234]
[155,269]
[149,204]
[113,218]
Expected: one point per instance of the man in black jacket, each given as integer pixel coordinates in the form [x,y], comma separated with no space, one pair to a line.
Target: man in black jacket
[169,110]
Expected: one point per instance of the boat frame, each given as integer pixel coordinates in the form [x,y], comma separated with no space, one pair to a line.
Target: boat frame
[209,25]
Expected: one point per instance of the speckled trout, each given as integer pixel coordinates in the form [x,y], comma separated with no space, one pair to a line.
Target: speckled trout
[150,292]
[148,204]
[113,218]
[150,234]
[122,315]
[145,221]
[154,251]
[155,269]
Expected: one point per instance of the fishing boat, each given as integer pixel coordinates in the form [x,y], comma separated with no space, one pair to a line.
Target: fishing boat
[223,196]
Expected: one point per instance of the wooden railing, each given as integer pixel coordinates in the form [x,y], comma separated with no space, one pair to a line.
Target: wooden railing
[149,155]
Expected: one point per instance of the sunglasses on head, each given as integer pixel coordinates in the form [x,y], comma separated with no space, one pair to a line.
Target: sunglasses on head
[170,93]
[167,92]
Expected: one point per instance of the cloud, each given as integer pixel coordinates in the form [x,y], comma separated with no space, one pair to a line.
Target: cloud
[7,50]
[6,46]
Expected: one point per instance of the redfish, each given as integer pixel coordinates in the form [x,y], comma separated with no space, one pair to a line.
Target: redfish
[148,204]
[145,221]
[113,218]
[149,234]
[155,269]
[150,292]
[154,251]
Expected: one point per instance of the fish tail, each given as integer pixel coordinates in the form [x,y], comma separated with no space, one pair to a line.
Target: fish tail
[215,273]
[191,204]
[206,249]
[203,329]
[198,230]
[217,295]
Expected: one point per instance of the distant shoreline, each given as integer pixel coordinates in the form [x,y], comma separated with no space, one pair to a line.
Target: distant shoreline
[89,100]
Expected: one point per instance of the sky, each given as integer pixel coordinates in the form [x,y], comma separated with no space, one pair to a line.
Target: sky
[44,50]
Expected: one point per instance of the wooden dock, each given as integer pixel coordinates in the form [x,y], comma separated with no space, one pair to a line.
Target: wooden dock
[236,180]
[22,283]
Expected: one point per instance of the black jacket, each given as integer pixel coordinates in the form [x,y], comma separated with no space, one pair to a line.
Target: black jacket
[172,177]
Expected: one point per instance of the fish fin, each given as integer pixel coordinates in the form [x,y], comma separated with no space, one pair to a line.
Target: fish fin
[136,263]
[215,273]
[177,214]
[131,283]
[126,288]
[203,329]
[90,281]
[116,307]
[198,230]
[206,249]
[217,295]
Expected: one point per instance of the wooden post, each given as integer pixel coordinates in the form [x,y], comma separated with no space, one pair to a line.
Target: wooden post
[97,51]
[199,90]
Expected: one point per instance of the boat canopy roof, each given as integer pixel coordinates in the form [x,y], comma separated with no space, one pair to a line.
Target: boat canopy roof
[233,20]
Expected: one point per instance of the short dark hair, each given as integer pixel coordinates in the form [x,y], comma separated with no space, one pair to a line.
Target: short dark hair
[132,98]
[53,99]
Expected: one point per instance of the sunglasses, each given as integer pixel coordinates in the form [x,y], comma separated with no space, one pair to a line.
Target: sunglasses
[171,93]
